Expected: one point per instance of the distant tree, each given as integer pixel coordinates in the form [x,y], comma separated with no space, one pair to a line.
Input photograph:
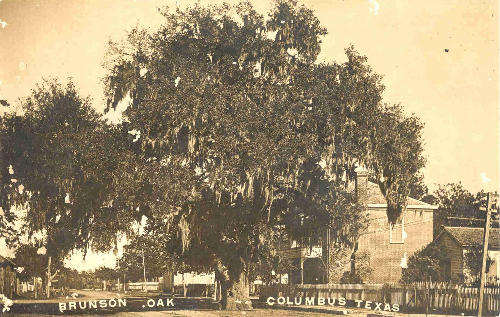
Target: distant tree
[454,200]
[69,279]
[430,199]
[243,139]
[157,259]
[90,280]
[61,160]
[460,207]
[106,274]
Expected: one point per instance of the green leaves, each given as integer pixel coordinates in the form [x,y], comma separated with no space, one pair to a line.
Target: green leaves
[27,257]
[235,139]
[244,140]
[456,201]
[297,30]
[426,263]
[65,158]
[396,156]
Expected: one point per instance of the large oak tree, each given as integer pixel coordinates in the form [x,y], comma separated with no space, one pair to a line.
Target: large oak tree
[243,140]
[235,141]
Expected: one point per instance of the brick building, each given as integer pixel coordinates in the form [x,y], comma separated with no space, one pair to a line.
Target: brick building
[387,247]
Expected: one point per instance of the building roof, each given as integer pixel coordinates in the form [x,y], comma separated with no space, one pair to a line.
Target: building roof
[377,200]
[472,237]
[5,261]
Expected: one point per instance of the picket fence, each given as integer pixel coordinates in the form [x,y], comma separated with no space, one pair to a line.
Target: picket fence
[418,297]
[190,290]
[148,286]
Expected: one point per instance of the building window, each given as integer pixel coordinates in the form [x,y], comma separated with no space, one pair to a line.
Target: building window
[397,232]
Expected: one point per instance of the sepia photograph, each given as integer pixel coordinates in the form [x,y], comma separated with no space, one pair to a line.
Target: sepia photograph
[249,158]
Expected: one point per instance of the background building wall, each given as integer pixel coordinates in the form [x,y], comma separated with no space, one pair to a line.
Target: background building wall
[386,257]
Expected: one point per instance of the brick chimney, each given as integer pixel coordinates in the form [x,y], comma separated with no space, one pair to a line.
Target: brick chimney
[361,185]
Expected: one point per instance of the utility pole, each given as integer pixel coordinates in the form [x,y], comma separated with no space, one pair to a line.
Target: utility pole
[301,270]
[144,269]
[118,269]
[485,255]
[34,277]
[327,258]
[184,288]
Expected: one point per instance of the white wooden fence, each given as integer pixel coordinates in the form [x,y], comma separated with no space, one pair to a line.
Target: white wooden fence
[418,297]
[148,286]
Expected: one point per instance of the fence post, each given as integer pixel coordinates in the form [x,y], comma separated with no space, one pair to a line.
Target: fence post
[403,296]
[426,299]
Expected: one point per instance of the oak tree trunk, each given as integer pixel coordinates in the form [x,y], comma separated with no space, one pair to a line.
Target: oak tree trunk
[35,286]
[48,277]
[236,294]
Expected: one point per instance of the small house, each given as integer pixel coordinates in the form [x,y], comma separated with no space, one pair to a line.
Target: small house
[8,278]
[459,242]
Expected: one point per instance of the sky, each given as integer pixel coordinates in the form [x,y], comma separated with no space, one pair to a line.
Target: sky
[439,60]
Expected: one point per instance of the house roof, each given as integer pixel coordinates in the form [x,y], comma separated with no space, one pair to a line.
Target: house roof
[377,200]
[472,237]
[4,261]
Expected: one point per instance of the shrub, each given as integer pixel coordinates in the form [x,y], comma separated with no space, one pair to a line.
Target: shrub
[427,262]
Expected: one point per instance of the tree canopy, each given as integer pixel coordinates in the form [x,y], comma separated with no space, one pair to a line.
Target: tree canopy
[460,207]
[456,201]
[158,261]
[428,262]
[29,258]
[244,139]
[236,140]
[60,161]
